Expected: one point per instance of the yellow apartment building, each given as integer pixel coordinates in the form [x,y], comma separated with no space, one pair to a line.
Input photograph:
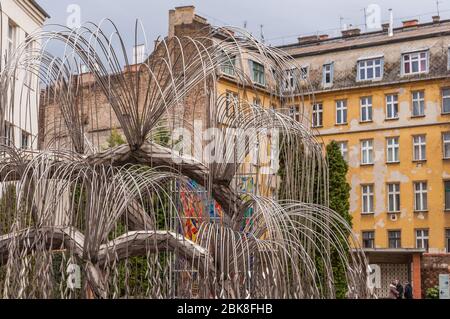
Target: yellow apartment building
[385,98]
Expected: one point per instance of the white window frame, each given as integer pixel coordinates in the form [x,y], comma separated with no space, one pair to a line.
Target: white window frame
[370,64]
[392,107]
[418,97]
[419,148]
[420,196]
[341,108]
[343,146]
[446,145]
[422,239]
[448,58]
[446,202]
[228,67]
[304,72]
[290,82]
[367,155]
[328,70]
[445,97]
[317,115]
[393,198]
[367,199]
[12,36]
[366,109]
[28,140]
[8,134]
[393,149]
[415,57]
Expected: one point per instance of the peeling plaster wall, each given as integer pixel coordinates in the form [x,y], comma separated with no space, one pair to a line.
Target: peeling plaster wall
[434,171]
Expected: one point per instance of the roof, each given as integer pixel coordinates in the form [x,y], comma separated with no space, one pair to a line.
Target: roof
[40,9]
[426,30]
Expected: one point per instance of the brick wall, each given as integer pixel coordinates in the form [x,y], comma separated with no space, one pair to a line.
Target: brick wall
[96,115]
[432,266]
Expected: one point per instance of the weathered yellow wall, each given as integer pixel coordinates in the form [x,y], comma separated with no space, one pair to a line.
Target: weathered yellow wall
[435,170]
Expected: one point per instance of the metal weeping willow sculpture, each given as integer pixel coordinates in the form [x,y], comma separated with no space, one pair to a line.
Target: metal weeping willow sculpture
[147,218]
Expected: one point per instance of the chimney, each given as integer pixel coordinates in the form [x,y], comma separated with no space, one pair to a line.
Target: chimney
[410,23]
[183,15]
[227,31]
[351,33]
[139,54]
[436,19]
[312,38]
[391,23]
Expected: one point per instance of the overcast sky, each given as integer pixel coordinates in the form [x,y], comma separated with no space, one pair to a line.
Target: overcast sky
[282,20]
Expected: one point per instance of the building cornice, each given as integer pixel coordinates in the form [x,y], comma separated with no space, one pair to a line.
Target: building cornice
[34,10]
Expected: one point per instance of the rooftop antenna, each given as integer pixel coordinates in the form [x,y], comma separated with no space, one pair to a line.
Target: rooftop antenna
[365,18]
[437,7]
[261,28]
[245,24]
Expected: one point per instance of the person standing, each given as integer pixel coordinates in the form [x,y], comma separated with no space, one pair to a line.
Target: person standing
[408,291]
[393,293]
[399,288]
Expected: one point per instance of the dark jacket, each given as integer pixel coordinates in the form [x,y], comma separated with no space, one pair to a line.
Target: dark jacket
[400,291]
[408,291]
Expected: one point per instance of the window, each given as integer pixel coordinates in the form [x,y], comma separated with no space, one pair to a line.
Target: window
[392,106]
[370,69]
[446,101]
[420,197]
[328,74]
[422,239]
[447,239]
[366,109]
[393,198]
[12,36]
[418,101]
[317,115]
[341,112]
[228,67]
[304,71]
[447,195]
[258,73]
[393,149]
[414,63]
[367,152]
[9,136]
[232,99]
[446,145]
[344,149]
[448,59]
[289,81]
[367,199]
[420,148]
[368,239]
[395,239]
[294,112]
[26,140]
